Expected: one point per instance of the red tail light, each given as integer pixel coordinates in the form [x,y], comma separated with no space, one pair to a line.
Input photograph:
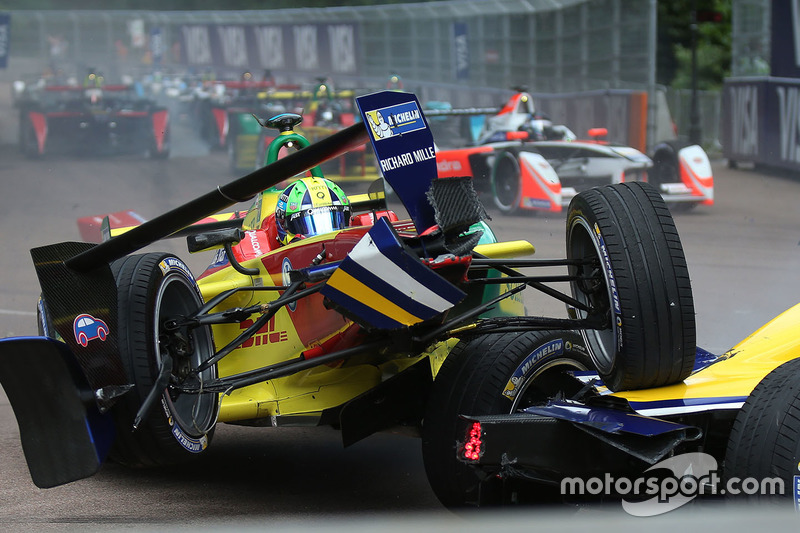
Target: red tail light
[473,446]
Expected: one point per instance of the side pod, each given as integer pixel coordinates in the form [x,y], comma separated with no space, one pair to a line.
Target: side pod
[64,436]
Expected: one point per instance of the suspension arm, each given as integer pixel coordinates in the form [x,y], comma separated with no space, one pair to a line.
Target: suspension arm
[278,370]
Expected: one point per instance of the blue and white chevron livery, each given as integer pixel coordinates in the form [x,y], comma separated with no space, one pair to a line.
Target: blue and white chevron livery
[386,285]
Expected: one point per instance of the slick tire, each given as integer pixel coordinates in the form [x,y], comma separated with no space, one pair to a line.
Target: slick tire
[765,438]
[493,374]
[506,182]
[29,146]
[153,153]
[667,169]
[626,232]
[151,288]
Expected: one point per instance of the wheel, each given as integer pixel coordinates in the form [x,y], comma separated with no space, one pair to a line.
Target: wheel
[153,153]
[152,288]
[666,168]
[492,374]
[506,183]
[29,144]
[764,444]
[626,233]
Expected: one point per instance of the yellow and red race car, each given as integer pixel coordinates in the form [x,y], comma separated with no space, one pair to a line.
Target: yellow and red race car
[363,327]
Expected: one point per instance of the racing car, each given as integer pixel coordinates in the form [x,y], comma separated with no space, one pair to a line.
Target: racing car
[224,113]
[360,325]
[325,111]
[731,426]
[524,162]
[97,120]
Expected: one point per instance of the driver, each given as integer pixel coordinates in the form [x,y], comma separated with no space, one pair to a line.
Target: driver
[311,206]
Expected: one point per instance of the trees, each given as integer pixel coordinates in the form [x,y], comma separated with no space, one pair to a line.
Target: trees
[675,37]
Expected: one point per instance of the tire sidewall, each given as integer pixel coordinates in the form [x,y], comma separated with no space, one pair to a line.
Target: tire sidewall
[485,375]
[172,266]
[506,157]
[763,441]
[582,218]
[161,439]
[646,331]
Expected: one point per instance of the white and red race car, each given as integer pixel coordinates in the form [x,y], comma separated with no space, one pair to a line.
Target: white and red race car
[524,162]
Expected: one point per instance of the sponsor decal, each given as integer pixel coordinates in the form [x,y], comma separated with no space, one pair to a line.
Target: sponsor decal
[220,259]
[535,202]
[174,264]
[394,120]
[789,104]
[612,284]
[407,158]
[88,328]
[253,236]
[448,166]
[191,444]
[744,118]
[266,335]
[555,347]
[796,486]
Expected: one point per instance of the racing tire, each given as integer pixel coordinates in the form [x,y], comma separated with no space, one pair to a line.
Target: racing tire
[29,145]
[667,169]
[153,153]
[152,287]
[497,373]
[506,183]
[765,438]
[626,232]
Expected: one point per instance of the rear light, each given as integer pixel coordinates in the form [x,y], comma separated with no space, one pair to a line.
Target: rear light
[473,446]
[622,177]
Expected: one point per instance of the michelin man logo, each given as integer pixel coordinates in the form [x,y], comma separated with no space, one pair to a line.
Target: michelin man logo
[380,129]
[395,120]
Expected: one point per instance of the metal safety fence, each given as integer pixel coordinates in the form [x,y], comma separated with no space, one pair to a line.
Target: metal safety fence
[467,52]
[545,45]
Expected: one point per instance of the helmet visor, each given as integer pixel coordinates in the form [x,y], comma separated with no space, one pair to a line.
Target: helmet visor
[317,221]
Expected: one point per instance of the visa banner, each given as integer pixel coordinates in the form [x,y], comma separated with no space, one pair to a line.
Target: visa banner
[5,38]
[404,149]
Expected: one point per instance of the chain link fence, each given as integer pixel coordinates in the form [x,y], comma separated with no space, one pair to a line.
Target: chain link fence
[467,52]
[545,45]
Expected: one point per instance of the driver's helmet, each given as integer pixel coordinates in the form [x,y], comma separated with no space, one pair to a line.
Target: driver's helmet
[538,127]
[311,206]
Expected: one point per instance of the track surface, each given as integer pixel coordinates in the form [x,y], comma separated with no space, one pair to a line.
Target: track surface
[743,255]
